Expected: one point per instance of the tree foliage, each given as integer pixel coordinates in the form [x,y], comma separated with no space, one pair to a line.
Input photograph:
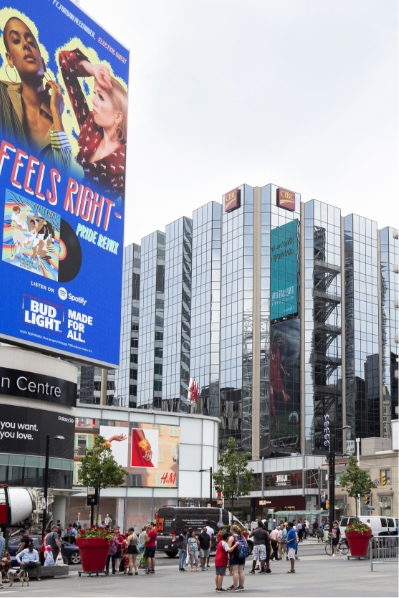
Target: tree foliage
[99,468]
[356,481]
[233,477]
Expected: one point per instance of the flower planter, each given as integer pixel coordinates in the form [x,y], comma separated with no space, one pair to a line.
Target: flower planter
[93,553]
[358,543]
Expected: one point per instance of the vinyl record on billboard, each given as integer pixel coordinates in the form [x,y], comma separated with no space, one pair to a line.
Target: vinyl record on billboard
[70,254]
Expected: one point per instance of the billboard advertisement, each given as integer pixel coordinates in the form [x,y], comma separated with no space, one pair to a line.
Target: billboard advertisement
[23,430]
[285,384]
[63,130]
[148,452]
[284,270]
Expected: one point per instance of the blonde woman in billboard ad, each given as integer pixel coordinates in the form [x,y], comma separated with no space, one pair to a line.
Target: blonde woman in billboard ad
[30,107]
[103,129]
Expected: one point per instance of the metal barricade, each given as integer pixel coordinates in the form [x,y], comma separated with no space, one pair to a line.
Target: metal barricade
[383,549]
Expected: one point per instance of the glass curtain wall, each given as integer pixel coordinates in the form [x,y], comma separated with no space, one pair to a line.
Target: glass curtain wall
[280,351]
[126,376]
[361,327]
[177,324]
[205,310]
[323,326]
[151,322]
[237,323]
[389,325]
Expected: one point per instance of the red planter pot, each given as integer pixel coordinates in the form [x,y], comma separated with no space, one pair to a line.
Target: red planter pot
[358,543]
[93,553]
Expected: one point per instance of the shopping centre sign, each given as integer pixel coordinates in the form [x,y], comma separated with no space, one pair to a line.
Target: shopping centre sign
[28,385]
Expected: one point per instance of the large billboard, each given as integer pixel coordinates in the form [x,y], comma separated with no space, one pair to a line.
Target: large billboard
[285,384]
[284,270]
[148,452]
[23,430]
[63,130]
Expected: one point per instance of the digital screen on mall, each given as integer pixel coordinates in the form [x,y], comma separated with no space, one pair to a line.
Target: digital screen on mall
[284,270]
[148,452]
[63,125]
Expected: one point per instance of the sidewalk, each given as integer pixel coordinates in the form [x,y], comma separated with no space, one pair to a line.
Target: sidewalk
[318,575]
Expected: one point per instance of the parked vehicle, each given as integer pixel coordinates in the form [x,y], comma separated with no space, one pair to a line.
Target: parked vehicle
[380,526]
[171,520]
[70,552]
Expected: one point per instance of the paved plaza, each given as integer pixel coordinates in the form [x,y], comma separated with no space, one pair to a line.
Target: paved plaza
[316,575]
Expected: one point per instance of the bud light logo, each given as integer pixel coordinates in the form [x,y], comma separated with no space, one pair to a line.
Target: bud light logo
[62,293]
[42,315]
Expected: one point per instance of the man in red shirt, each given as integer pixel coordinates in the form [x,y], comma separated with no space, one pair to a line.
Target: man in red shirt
[150,547]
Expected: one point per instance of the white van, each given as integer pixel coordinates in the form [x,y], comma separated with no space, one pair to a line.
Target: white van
[380,526]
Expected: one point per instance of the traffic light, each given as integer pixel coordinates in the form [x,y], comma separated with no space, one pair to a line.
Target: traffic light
[383,478]
[327,504]
[366,500]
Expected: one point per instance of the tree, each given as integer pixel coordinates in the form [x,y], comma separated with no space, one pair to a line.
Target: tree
[99,468]
[233,478]
[356,481]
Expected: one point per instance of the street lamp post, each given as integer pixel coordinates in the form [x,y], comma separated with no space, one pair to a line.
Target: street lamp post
[46,468]
[210,482]
[331,477]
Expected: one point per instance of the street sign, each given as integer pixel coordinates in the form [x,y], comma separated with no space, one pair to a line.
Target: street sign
[370,508]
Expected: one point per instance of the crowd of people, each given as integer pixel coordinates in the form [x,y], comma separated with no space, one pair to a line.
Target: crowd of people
[130,551]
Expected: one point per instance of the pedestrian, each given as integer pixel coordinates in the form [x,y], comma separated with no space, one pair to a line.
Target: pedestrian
[274,538]
[204,540]
[326,531]
[336,535]
[120,549]
[142,541]
[132,550]
[150,547]
[259,536]
[29,559]
[49,559]
[182,549]
[282,538]
[305,528]
[5,565]
[23,540]
[211,532]
[237,561]
[60,528]
[221,559]
[291,546]
[192,546]
[112,550]
[315,528]
[53,539]
[299,530]
[320,533]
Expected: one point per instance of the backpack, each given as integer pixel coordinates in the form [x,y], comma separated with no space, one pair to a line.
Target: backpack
[242,549]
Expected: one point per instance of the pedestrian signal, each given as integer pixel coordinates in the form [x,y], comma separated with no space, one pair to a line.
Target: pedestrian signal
[327,504]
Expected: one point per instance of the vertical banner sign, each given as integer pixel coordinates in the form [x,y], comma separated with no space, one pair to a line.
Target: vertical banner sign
[63,132]
[284,270]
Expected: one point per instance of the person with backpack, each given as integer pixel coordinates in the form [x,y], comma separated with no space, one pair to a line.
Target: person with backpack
[221,559]
[132,550]
[237,559]
[53,540]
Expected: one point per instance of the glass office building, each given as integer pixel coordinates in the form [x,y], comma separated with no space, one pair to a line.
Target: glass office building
[282,311]
[126,375]
[151,322]
[177,316]
[205,306]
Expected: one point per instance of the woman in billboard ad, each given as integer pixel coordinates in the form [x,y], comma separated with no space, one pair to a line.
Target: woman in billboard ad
[103,130]
[31,106]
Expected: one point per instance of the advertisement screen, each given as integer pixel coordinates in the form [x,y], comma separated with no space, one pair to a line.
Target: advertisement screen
[284,270]
[23,430]
[148,452]
[285,384]
[63,130]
